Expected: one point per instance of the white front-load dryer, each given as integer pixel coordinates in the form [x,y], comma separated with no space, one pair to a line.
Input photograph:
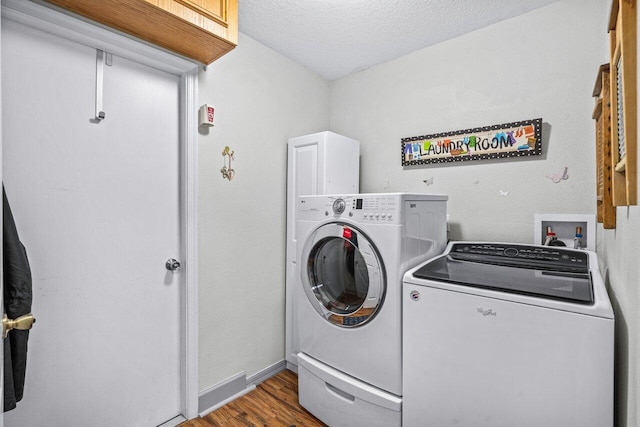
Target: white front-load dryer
[354,250]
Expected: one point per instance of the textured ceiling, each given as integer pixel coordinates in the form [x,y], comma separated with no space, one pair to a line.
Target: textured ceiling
[335,38]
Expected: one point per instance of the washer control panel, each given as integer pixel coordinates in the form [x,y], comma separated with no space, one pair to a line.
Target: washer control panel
[522,255]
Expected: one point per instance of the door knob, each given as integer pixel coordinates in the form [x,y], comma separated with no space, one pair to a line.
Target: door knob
[22,323]
[172,264]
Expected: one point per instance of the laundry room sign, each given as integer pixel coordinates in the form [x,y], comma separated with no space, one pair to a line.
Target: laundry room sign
[523,138]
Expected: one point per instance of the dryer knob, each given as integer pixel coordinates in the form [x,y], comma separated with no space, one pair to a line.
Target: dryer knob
[339,206]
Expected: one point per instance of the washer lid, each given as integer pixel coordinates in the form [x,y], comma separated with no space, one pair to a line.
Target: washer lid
[545,273]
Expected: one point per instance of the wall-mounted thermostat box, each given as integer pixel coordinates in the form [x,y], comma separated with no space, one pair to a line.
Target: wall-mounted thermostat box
[564,225]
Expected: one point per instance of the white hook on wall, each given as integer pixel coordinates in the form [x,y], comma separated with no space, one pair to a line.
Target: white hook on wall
[102,58]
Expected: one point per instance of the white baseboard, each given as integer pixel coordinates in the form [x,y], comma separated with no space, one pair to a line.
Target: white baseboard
[227,400]
[174,422]
[266,373]
[233,387]
[292,367]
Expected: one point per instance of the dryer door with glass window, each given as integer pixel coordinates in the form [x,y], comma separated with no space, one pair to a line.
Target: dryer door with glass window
[344,277]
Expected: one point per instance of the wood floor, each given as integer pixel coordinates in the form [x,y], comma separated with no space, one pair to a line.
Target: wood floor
[274,403]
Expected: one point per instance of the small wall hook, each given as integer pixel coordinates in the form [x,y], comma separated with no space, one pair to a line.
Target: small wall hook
[102,58]
[227,171]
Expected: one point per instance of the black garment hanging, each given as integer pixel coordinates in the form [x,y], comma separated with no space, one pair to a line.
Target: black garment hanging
[17,302]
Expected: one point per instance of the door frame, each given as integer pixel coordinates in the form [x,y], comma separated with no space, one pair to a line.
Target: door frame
[53,20]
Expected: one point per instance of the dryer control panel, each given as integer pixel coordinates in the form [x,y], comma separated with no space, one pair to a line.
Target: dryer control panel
[377,208]
[362,208]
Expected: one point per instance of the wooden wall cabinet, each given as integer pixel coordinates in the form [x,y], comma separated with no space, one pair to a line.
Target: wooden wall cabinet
[616,116]
[606,211]
[623,93]
[202,30]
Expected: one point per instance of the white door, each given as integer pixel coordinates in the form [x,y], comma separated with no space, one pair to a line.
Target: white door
[97,206]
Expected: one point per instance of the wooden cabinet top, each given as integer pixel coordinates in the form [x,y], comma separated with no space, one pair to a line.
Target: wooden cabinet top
[202,30]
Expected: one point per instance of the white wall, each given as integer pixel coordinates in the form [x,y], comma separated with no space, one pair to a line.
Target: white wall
[619,249]
[261,100]
[541,64]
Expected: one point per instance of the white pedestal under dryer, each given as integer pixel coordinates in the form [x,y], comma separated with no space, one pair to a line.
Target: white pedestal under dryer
[506,335]
[353,251]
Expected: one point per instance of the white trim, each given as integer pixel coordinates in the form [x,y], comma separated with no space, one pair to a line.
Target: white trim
[267,373]
[174,422]
[189,153]
[221,393]
[291,367]
[45,18]
[229,399]
[233,387]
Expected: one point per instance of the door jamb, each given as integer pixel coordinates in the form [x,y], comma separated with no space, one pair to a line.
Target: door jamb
[54,20]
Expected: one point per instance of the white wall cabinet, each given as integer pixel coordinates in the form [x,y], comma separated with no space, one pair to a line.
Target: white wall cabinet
[321,163]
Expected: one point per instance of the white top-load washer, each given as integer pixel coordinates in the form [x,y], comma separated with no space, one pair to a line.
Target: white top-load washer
[500,334]
[353,251]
